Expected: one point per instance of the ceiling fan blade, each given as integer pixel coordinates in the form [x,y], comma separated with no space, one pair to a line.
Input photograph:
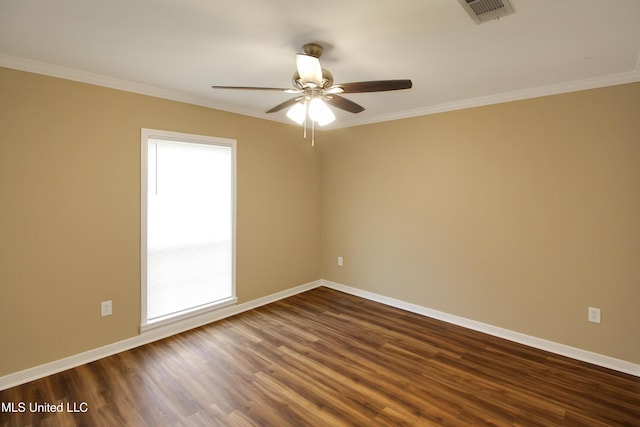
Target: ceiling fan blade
[309,69]
[344,104]
[277,89]
[285,104]
[374,86]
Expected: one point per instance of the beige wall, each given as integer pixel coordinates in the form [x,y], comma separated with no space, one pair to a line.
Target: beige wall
[519,215]
[70,210]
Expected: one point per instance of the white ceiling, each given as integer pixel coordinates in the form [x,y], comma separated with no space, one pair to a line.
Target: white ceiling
[178,48]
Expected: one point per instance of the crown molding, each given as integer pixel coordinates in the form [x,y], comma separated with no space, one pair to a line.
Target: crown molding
[516,95]
[51,70]
[29,65]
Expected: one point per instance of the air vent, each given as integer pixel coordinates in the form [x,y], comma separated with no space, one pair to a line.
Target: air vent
[486,10]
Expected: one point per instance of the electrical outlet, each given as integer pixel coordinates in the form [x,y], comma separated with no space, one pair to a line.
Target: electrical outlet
[340,261]
[105,308]
[594,314]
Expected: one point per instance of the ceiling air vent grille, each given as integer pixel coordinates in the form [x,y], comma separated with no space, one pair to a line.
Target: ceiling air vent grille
[486,10]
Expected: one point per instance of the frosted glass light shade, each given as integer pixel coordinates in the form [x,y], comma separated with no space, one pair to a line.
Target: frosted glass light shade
[320,113]
[309,69]
[297,113]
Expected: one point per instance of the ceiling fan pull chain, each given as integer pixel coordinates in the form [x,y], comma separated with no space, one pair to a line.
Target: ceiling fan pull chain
[306,114]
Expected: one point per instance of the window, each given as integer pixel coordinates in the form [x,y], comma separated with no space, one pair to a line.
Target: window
[188,225]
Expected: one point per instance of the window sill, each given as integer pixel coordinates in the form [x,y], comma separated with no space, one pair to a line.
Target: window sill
[188,315]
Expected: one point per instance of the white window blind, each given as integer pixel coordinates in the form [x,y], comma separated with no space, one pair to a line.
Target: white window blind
[189,226]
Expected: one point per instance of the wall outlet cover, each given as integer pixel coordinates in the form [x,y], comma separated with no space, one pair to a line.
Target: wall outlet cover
[106,308]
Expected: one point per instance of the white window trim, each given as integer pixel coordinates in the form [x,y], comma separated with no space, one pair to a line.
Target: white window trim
[147,134]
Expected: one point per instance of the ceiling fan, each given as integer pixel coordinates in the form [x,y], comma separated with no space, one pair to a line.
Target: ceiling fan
[315,88]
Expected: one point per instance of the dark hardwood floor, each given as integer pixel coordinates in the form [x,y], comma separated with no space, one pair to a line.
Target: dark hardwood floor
[324,358]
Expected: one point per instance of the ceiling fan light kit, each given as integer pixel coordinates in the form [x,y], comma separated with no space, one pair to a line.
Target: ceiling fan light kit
[315,89]
[320,113]
[297,113]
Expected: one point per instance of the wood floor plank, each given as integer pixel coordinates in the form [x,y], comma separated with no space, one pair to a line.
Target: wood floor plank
[325,358]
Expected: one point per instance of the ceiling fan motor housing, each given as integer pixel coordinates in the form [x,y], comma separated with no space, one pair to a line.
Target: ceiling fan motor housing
[327,80]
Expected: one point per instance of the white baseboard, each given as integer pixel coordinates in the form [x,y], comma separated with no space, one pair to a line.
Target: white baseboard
[147,337]
[161,332]
[542,344]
